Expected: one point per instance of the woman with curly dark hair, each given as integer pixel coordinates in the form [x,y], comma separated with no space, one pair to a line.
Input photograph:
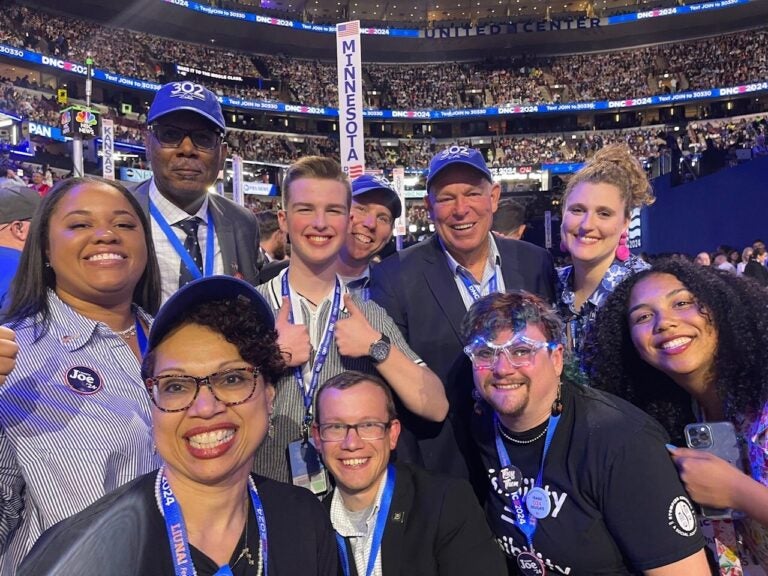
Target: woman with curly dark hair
[688,343]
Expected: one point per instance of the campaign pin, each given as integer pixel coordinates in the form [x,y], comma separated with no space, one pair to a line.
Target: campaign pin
[530,564]
[537,502]
[84,380]
[510,479]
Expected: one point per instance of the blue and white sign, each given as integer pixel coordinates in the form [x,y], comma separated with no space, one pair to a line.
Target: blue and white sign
[350,83]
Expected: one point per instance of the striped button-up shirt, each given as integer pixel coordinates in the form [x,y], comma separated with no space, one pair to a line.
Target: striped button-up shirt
[288,414]
[74,425]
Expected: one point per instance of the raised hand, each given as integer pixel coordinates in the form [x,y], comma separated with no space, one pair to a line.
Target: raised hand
[354,335]
[292,339]
[8,351]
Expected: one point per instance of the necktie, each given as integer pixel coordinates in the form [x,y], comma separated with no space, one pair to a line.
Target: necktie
[360,287]
[191,245]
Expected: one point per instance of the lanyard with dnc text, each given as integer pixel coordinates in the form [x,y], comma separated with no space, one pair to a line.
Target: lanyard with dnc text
[525,521]
[177,531]
[179,246]
[322,353]
[378,531]
[474,291]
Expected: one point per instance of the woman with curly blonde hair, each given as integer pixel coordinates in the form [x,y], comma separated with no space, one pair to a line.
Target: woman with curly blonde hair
[597,204]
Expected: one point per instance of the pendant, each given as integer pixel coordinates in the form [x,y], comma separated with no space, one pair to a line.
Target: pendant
[246,553]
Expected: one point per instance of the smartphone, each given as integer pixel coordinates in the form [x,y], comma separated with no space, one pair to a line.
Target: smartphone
[720,439]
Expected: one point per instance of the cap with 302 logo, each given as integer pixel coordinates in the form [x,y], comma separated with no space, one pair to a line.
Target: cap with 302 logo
[186,95]
[457,155]
[368,183]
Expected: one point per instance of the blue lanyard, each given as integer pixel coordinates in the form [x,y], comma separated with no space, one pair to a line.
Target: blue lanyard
[179,246]
[378,531]
[474,291]
[177,531]
[525,521]
[141,337]
[322,353]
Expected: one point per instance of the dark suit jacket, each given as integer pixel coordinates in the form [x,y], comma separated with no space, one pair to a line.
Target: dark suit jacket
[418,291]
[236,228]
[435,528]
[272,269]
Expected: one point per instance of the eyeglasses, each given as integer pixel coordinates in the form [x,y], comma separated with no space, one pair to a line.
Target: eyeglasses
[177,392]
[337,432]
[172,136]
[519,351]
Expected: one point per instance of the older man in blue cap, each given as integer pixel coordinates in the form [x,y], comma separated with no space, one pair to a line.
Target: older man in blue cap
[428,288]
[375,207]
[196,234]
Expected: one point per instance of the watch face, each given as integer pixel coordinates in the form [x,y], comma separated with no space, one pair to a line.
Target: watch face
[379,350]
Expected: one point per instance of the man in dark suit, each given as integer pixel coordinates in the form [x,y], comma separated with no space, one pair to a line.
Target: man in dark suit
[185,145]
[395,518]
[428,288]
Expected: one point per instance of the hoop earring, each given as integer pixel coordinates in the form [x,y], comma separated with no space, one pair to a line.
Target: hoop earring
[622,250]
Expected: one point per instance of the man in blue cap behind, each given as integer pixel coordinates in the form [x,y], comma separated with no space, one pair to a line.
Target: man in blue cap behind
[375,207]
[17,206]
[428,288]
[195,233]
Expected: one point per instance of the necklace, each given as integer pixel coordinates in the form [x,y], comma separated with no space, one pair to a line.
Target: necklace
[539,436]
[246,551]
[128,333]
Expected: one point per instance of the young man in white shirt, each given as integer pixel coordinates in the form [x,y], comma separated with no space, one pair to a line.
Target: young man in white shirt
[324,330]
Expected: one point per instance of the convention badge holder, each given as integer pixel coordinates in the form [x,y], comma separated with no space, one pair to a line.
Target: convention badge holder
[307,470]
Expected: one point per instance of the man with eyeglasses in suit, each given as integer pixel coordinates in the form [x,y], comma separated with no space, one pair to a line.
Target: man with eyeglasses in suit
[393,519]
[186,148]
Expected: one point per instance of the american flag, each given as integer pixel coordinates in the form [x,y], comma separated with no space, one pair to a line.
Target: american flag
[356,170]
[347,29]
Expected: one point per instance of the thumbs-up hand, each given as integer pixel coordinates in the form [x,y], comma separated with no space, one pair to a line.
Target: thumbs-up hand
[354,335]
[292,339]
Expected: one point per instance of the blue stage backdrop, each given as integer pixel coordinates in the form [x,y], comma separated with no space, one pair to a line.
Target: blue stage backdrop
[728,207]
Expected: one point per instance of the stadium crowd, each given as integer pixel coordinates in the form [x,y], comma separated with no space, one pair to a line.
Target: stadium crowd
[697,64]
[38,103]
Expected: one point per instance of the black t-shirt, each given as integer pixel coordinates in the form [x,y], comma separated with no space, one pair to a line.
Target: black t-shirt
[618,506]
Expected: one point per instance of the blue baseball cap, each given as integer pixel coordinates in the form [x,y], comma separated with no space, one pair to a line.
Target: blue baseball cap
[457,155]
[201,291]
[368,183]
[186,95]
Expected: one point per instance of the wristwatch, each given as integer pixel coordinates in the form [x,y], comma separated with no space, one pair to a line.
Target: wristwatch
[379,350]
